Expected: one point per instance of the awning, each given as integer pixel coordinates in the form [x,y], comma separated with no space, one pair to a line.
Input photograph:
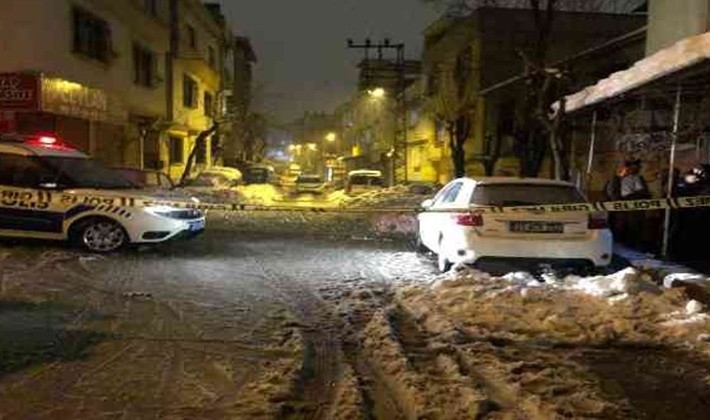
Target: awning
[678,61]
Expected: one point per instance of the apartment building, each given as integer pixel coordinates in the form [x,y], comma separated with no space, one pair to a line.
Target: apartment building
[131,82]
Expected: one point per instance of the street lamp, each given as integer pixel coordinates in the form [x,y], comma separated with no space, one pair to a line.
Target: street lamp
[312,146]
[377,93]
[330,137]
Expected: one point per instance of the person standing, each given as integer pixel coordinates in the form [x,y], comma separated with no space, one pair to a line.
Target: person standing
[629,184]
[633,186]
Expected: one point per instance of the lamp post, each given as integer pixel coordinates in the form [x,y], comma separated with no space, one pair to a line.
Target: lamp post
[331,137]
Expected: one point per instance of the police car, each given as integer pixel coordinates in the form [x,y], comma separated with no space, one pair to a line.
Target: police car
[44,185]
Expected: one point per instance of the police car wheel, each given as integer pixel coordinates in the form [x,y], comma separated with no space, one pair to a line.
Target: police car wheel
[100,235]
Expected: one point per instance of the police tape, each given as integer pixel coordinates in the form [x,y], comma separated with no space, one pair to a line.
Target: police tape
[45,200]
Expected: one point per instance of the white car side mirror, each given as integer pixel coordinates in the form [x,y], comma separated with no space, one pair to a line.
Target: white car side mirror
[427,203]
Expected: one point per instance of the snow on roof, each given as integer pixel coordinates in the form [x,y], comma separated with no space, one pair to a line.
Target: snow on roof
[680,56]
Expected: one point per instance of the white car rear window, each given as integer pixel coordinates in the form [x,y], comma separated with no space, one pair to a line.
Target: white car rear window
[524,195]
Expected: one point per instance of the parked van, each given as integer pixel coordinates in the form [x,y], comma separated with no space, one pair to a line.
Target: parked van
[364,180]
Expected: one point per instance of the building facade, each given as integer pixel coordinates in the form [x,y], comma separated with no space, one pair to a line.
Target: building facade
[122,80]
[98,66]
[196,71]
[472,66]
[241,58]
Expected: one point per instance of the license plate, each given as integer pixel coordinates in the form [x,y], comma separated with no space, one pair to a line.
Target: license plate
[536,227]
[198,225]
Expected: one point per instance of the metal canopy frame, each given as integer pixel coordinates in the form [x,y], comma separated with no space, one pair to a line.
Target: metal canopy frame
[693,81]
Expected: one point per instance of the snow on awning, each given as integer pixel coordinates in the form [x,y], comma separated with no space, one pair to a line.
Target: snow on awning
[682,55]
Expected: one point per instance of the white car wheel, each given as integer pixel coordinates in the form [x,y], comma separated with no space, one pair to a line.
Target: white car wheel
[101,235]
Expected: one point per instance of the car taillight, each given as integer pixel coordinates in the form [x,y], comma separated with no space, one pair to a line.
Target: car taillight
[472,220]
[597,222]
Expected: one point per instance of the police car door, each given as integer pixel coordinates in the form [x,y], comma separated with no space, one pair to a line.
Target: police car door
[25,209]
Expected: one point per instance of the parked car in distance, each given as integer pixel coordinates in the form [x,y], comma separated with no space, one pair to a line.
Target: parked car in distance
[309,184]
[554,238]
[260,174]
[147,178]
[363,180]
[215,183]
[41,166]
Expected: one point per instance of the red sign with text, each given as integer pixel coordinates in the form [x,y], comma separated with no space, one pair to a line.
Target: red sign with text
[19,92]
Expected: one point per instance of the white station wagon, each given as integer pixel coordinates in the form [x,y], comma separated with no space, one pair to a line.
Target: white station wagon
[473,238]
[35,170]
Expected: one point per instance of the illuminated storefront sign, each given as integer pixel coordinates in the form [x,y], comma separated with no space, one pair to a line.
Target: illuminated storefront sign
[73,99]
[19,92]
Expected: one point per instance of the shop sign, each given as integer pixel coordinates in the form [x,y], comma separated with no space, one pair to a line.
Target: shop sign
[73,99]
[19,92]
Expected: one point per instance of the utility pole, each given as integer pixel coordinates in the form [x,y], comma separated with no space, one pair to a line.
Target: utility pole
[374,73]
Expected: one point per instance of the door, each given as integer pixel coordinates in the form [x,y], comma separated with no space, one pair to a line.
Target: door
[20,181]
[431,223]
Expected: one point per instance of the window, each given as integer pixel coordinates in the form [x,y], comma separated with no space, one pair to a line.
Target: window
[189,92]
[85,173]
[209,102]
[525,195]
[143,66]
[191,37]
[151,6]
[211,58]
[441,134]
[22,171]
[176,149]
[452,193]
[92,35]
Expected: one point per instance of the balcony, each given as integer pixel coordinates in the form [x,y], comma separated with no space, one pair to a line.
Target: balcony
[194,63]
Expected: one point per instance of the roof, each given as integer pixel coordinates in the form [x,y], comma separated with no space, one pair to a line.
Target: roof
[683,55]
[17,144]
[519,181]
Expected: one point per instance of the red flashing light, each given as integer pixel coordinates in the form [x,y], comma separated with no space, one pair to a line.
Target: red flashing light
[48,140]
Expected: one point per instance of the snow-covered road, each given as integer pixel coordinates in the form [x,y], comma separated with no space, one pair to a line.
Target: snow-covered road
[226,326]
[306,316]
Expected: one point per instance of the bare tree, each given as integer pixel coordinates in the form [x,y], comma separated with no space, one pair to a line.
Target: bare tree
[254,136]
[199,147]
[454,104]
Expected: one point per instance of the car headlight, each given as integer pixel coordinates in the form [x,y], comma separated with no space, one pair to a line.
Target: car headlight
[174,212]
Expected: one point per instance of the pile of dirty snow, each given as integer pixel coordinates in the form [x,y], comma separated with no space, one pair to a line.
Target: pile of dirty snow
[520,346]
[398,196]
[259,194]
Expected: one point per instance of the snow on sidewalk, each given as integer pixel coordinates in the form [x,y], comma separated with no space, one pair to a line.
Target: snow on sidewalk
[527,348]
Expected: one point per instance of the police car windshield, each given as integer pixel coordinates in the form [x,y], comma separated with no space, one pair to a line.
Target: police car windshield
[87,173]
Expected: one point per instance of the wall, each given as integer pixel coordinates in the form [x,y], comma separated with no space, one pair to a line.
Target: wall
[672,20]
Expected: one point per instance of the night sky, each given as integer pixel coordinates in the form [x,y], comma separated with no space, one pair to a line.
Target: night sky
[300,44]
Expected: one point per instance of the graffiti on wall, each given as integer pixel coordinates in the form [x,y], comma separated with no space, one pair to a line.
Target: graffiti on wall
[643,144]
